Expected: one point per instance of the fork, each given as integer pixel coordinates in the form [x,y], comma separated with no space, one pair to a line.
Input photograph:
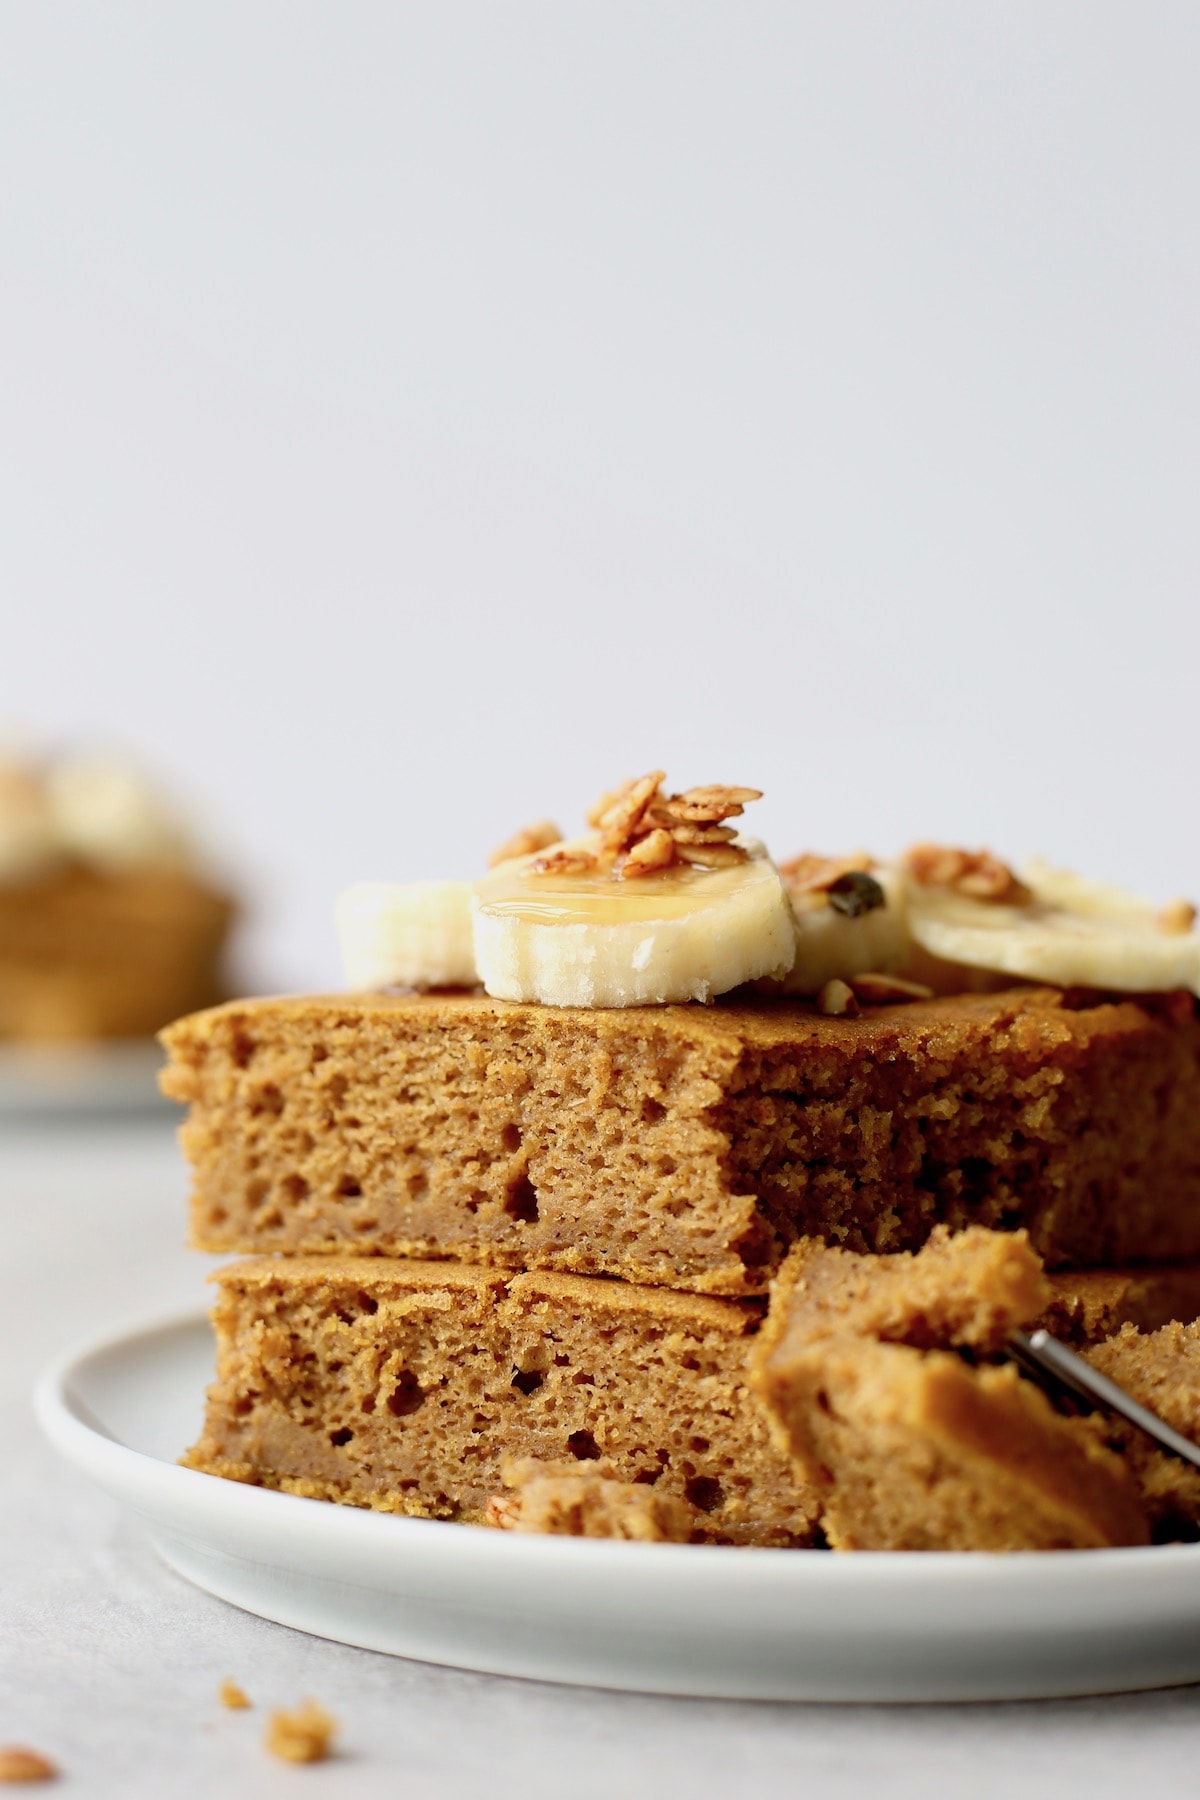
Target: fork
[1041,1355]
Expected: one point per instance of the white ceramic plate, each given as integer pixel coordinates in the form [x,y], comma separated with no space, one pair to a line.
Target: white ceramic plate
[682,1619]
[53,1081]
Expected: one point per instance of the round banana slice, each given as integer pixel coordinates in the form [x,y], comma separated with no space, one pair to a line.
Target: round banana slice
[416,935]
[1071,932]
[837,937]
[591,938]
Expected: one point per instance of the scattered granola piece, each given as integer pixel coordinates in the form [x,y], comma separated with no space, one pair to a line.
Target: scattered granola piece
[876,989]
[837,1000]
[18,1763]
[303,1736]
[232,1696]
[524,842]
[976,873]
[1177,917]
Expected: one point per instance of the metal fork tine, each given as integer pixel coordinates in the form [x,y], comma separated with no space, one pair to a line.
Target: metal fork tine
[1042,1355]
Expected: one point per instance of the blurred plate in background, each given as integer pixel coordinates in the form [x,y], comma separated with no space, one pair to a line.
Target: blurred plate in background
[39,1081]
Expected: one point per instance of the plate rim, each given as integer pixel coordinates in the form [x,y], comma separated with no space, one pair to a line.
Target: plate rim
[87,1446]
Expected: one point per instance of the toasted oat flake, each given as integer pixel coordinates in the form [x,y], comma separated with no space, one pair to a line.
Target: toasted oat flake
[19,1763]
[656,851]
[565,862]
[701,834]
[619,817]
[707,804]
[607,806]
[303,1736]
[524,842]
[710,856]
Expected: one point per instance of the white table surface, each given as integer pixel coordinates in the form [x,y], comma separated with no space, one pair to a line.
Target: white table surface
[110,1663]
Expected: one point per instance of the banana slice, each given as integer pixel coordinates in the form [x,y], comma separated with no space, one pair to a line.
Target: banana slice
[593,939]
[849,929]
[1070,931]
[414,936]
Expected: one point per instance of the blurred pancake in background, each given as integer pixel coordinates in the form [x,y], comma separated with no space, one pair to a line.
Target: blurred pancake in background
[109,924]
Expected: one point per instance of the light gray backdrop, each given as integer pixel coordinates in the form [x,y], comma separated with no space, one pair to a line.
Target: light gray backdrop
[414,417]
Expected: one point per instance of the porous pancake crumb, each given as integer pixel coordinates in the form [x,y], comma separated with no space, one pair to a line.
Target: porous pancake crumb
[690,1146]
[407,1386]
[1088,1305]
[1162,1371]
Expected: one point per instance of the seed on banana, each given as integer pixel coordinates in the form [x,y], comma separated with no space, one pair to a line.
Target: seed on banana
[845,928]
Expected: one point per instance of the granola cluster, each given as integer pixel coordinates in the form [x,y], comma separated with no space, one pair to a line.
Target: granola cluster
[643,831]
[976,873]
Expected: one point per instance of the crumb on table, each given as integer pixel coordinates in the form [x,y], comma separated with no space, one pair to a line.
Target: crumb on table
[303,1735]
[232,1696]
[17,1763]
